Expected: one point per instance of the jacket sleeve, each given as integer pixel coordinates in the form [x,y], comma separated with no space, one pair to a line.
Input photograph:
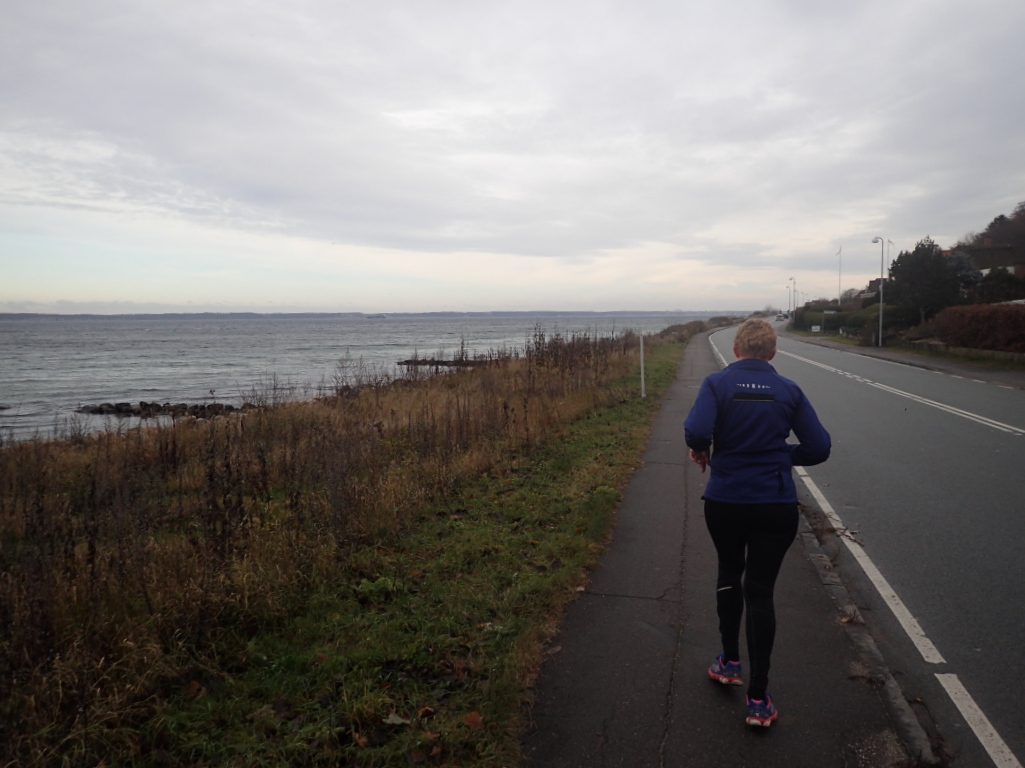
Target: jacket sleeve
[700,422]
[814,443]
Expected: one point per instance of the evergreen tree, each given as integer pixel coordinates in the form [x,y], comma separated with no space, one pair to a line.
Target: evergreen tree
[924,280]
[1000,285]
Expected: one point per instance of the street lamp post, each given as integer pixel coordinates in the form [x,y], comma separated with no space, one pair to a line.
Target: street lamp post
[793,293]
[882,245]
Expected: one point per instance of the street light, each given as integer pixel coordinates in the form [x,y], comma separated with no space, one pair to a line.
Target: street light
[794,294]
[882,245]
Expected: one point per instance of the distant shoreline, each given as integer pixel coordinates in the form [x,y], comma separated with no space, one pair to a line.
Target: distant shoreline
[352,315]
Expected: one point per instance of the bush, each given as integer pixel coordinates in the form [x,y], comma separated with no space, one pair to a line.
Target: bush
[864,324]
[999,327]
[856,321]
[806,317]
[926,330]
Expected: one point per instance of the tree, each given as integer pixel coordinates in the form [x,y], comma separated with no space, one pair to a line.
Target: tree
[1000,285]
[1003,230]
[968,277]
[924,280]
[849,295]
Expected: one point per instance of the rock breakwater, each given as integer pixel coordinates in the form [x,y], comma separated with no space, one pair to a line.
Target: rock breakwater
[144,410]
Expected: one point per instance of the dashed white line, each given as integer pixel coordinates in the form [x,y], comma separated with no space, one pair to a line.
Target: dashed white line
[917,398]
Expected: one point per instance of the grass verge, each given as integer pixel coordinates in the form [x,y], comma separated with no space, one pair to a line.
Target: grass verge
[424,653]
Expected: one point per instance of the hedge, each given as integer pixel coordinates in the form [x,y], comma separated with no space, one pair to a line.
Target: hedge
[999,327]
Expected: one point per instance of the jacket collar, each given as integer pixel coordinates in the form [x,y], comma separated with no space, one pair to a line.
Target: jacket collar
[751,364]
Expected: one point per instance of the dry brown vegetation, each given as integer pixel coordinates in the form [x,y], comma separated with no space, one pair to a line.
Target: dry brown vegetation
[127,556]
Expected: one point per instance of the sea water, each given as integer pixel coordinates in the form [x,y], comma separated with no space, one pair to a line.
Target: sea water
[51,365]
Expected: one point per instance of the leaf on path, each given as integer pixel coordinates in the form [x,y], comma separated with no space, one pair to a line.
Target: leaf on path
[474,721]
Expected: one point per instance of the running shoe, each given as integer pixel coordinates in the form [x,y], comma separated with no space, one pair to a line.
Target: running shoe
[761,712]
[725,672]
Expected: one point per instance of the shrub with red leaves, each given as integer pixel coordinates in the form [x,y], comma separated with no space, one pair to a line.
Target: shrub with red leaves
[999,327]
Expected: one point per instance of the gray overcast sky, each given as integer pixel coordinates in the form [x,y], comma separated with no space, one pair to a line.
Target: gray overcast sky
[460,155]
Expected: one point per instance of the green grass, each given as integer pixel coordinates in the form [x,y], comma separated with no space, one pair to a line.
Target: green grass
[425,650]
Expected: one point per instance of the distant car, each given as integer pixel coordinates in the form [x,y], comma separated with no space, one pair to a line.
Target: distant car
[781,316]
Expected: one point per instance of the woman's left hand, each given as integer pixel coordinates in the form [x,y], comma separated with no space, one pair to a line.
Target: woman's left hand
[701,458]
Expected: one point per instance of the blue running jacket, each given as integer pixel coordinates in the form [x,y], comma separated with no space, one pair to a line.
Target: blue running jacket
[745,413]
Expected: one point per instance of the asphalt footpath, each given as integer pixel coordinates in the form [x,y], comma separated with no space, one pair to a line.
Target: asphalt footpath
[625,679]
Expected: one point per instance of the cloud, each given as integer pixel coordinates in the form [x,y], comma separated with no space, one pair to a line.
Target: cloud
[756,135]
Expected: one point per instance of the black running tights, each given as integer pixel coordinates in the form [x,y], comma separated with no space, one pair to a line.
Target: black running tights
[751,540]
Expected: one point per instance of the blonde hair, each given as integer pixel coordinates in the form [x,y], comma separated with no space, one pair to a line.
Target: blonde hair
[755,338]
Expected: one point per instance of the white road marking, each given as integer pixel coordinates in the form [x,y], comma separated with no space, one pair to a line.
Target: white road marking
[908,622]
[984,731]
[718,355]
[917,398]
[998,750]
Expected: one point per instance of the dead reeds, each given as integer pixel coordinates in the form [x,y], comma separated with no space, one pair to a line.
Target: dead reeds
[126,556]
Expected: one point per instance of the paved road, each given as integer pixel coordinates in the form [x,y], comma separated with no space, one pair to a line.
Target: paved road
[928,469]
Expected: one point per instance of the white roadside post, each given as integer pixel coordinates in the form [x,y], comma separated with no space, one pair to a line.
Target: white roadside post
[643,393]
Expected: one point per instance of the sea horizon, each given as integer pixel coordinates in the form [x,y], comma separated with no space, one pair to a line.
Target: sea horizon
[382,313]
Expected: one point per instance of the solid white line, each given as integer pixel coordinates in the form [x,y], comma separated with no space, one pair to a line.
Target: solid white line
[908,622]
[718,356]
[917,398]
[998,750]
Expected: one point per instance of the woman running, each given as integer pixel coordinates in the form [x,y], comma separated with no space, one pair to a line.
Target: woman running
[738,427]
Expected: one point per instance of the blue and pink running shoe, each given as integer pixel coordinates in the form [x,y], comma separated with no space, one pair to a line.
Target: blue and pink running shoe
[761,712]
[725,672]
